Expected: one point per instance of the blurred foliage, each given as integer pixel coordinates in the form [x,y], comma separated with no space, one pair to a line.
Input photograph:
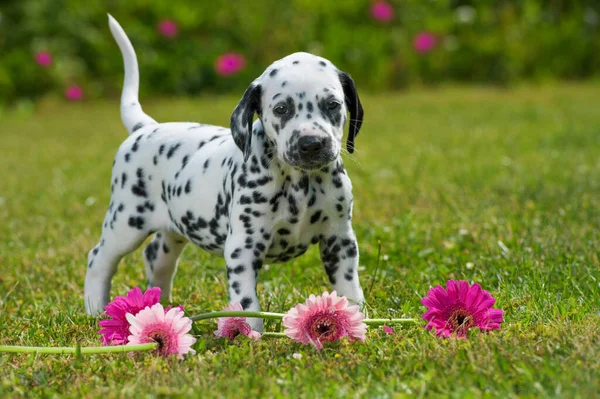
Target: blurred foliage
[484,41]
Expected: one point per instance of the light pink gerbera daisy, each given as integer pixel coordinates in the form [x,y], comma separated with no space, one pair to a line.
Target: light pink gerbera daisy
[169,330]
[116,330]
[231,327]
[459,307]
[324,318]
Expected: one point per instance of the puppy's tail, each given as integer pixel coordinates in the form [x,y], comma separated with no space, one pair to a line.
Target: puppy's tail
[132,115]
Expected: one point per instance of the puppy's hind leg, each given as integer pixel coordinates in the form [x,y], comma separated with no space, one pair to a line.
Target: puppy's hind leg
[161,257]
[121,234]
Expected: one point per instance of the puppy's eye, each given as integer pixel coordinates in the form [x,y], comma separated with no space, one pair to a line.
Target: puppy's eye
[333,104]
[280,109]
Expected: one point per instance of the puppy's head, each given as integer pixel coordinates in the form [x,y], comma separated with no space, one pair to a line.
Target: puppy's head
[302,101]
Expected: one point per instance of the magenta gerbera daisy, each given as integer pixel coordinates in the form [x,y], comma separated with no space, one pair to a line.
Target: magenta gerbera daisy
[169,330]
[459,307]
[231,327]
[229,64]
[324,318]
[116,329]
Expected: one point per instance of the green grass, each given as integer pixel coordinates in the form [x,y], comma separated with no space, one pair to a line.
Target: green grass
[497,187]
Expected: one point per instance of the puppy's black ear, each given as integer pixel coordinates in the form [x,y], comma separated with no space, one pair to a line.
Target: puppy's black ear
[354,107]
[241,118]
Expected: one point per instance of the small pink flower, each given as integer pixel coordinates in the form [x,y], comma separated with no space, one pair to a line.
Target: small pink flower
[229,64]
[116,331]
[168,28]
[168,328]
[74,93]
[231,327]
[388,330]
[424,42]
[382,11]
[43,58]
[324,318]
[459,307]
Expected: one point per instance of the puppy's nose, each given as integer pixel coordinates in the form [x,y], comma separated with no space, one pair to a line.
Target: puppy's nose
[310,145]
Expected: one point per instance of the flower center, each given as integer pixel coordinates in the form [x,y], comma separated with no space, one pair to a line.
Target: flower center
[461,320]
[324,329]
[163,342]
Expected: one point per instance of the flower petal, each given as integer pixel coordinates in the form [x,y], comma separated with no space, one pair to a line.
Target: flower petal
[324,318]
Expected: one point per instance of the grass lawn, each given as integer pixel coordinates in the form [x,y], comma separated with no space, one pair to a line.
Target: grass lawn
[496,187]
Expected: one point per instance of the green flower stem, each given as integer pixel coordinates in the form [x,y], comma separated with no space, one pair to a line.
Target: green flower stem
[278,316]
[236,313]
[83,350]
[274,335]
[381,322]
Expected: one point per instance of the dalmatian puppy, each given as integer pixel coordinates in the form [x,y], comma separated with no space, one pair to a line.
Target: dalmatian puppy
[257,193]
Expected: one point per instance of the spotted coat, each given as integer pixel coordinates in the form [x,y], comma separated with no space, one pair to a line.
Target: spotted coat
[260,192]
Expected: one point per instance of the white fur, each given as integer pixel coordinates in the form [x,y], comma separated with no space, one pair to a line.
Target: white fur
[190,182]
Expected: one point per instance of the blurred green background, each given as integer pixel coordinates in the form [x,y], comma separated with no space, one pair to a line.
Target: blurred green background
[64,47]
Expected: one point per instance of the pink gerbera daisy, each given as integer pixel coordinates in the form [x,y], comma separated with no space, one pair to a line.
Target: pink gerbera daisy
[43,58]
[116,330]
[168,28]
[229,64]
[424,42]
[74,93]
[460,307]
[324,318]
[382,11]
[169,329]
[231,327]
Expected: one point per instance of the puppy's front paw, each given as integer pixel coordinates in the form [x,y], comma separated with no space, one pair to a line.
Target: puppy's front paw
[256,324]
[93,309]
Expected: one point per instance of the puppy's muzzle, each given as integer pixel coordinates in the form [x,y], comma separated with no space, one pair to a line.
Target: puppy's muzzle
[311,146]
[315,151]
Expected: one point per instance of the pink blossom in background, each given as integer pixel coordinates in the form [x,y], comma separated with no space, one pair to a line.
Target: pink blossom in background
[229,64]
[459,307]
[324,318]
[43,58]
[74,93]
[167,328]
[231,327]
[388,330]
[382,11]
[168,28]
[424,42]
